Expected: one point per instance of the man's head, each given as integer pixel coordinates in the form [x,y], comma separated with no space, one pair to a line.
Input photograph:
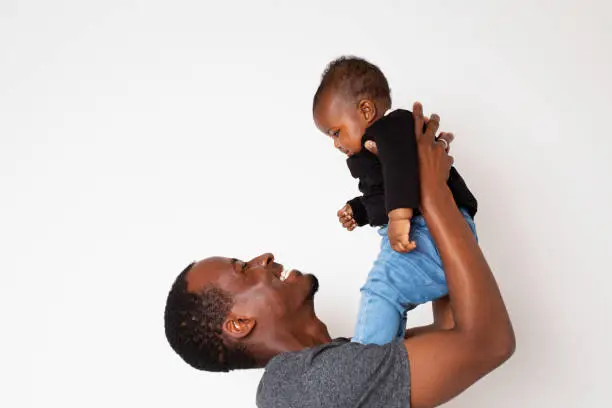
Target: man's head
[223,314]
[352,95]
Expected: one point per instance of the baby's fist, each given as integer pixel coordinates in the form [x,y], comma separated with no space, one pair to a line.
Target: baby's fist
[398,232]
[345,216]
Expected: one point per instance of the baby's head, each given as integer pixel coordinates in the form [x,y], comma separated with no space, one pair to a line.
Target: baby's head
[352,95]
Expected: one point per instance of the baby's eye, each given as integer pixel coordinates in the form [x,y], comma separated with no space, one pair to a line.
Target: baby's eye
[335,133]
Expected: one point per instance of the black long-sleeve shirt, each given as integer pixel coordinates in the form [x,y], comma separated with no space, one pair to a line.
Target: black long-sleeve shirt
[391,180]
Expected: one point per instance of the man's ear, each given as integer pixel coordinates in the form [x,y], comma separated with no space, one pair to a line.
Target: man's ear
[367,110]
[238,327]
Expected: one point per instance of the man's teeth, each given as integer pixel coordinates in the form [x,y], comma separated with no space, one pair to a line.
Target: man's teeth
[285,273]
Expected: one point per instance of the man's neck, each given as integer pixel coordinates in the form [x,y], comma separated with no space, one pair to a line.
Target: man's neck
[307,337]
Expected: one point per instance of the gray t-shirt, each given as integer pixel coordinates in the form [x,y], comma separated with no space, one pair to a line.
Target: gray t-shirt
[340,374]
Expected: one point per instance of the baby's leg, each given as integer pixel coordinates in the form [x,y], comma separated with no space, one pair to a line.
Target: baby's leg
[378,321]
[381,318]
[415,277]
[397,283]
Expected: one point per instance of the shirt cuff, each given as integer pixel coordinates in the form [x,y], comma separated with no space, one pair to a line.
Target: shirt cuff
[360,214]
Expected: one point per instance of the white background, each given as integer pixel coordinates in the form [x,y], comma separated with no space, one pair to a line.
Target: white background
[139,136]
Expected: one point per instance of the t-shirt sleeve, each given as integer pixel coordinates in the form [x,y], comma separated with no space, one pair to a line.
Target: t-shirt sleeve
[345,375]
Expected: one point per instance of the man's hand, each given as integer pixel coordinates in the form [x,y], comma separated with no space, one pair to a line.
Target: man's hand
[345,216]
[434,161]
[399,229]
[446,138]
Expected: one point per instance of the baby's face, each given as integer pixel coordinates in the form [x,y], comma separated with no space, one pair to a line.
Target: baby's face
[340,120]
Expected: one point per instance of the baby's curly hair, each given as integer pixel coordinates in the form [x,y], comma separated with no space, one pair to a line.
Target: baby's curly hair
[357,79]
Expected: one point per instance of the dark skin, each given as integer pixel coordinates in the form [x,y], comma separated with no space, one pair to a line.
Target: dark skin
[271,317]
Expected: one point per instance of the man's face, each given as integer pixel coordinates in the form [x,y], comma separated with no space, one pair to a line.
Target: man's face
[341,120]
[262,290]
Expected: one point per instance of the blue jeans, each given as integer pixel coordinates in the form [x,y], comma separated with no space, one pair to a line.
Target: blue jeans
[398,282]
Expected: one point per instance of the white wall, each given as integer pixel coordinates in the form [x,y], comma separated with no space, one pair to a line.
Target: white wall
[139,136]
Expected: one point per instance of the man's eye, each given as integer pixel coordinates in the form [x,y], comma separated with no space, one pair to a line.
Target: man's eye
[335,133]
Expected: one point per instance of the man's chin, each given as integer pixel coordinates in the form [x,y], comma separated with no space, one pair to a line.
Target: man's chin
[314,286]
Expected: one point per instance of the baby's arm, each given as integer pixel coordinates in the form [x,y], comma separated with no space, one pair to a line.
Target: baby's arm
[399,160]
[353,214]
[398,230]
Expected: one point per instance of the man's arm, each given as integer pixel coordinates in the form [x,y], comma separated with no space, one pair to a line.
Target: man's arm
[444,363]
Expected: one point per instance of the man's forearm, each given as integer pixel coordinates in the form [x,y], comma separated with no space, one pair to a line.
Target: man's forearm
[478,307]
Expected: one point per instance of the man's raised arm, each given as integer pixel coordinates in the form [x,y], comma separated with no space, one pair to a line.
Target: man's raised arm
[444,363]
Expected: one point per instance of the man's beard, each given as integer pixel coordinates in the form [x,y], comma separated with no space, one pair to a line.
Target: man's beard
[314,286]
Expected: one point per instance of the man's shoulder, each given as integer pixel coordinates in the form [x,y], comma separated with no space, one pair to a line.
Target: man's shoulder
[286,361]
[289,376]
[324,375]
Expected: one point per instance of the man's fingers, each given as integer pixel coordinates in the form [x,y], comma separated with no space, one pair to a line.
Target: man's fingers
[419,120]
[448,136]
[371,146]
[432,128]
[443,143]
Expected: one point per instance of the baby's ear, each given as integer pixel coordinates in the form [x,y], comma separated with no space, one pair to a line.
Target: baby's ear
[367,109]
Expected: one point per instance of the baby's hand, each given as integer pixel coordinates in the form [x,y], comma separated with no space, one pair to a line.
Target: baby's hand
[345,216]
[398,231]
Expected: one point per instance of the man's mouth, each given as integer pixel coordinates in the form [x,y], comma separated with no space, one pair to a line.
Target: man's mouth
[289,274]
[285,273]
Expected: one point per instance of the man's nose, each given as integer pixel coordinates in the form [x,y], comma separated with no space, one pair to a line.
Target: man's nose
[264,259]
[336,143]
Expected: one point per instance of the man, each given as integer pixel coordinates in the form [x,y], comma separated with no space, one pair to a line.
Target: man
[223,314]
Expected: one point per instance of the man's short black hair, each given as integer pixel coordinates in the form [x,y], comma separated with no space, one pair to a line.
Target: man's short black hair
[193,328]
[357,79]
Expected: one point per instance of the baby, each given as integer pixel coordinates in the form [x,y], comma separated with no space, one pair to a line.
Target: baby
[352,106]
